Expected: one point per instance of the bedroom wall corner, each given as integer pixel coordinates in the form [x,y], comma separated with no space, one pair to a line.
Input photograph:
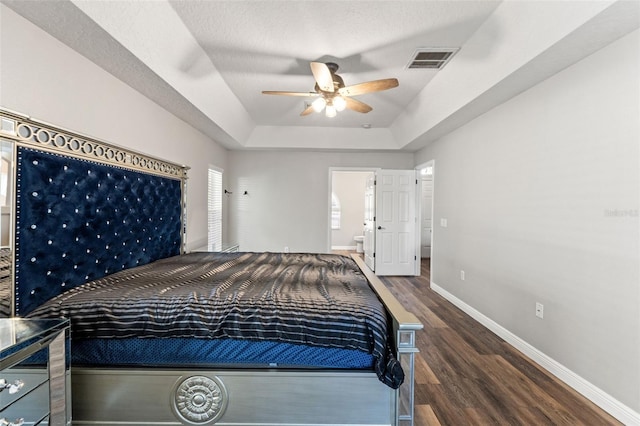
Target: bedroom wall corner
[42,77]
[541,195]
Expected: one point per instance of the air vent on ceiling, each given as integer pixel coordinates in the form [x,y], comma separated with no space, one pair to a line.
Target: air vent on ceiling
[431,58]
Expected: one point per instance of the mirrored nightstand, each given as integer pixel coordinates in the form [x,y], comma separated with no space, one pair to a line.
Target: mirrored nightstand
[34,372]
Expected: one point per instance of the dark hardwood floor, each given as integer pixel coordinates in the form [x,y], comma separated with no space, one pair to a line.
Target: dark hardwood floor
[467,375]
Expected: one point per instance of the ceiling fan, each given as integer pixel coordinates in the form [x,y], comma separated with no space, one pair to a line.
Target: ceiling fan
[332,94]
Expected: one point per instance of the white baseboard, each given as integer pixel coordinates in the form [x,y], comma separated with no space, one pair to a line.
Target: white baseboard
[343,247]
[596,395]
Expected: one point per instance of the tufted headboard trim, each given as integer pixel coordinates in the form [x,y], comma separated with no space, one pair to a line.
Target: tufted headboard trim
[81,217]
[41,135]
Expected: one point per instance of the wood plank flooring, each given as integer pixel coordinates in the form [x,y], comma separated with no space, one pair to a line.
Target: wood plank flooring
[466,375]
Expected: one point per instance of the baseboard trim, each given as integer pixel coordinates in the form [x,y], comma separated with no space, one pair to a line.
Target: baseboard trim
[596,395]
[343,247]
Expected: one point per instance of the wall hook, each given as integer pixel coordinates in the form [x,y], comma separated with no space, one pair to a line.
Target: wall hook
[246,193]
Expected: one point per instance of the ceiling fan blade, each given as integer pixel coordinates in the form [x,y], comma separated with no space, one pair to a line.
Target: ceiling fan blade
[308,110]
[278,92]
[369,87]
[322,75]
[357,105]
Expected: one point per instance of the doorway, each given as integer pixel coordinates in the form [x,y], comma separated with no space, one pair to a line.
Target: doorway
[346,222]
[347,207]
[426,172]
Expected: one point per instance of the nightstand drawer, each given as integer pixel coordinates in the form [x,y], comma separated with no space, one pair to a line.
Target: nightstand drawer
[32,407]
[34,352]
[30,377]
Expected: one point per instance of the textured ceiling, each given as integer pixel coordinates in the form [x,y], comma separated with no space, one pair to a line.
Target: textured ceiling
[268,46]
[208,61]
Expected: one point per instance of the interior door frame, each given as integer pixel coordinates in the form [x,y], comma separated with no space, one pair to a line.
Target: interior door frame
[419,167]
[369,244]
[330,190]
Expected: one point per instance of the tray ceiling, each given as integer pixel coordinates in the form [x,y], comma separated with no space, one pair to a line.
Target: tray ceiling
[208,61]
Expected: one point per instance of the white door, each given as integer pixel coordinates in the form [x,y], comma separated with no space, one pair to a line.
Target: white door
[369,222]
[426,225]
[395,240]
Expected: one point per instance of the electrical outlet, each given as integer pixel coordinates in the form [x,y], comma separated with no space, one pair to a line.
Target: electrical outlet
[286,249]
[462,275]
[443,222]
[539,310]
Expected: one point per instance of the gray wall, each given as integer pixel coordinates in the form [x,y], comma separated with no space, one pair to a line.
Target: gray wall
[45,79]
[288,197]
[541,197]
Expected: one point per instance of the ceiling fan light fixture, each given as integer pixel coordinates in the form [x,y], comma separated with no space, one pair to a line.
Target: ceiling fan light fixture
[339,103]
[332,95]
[319,104]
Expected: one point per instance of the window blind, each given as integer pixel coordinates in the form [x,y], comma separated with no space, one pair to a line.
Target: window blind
[214,210]
[335,211]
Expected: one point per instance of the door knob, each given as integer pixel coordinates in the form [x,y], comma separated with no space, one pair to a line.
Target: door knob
[380,227]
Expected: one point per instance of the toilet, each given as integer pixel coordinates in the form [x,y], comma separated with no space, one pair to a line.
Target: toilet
[359,239]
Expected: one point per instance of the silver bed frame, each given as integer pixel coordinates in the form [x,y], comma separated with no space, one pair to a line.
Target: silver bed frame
[158,396]
[103,396]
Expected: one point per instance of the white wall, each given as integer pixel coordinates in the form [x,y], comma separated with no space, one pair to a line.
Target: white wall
[288,200]
[541,196]
[45,79]
[349,187]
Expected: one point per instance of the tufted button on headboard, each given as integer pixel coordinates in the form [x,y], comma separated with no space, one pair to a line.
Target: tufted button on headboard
[78,220]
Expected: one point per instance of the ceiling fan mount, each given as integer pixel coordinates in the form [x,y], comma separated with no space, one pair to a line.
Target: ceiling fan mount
[331,93]
[333,67]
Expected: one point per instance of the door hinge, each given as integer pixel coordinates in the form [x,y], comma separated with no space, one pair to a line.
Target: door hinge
[374,255]
[416,181]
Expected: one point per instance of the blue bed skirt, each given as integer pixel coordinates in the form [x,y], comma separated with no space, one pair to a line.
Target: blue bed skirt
[189,352]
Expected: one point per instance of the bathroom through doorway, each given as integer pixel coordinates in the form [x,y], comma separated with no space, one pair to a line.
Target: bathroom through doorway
[347,207]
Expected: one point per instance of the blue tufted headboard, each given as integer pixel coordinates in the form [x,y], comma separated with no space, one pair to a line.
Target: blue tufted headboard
[79,220]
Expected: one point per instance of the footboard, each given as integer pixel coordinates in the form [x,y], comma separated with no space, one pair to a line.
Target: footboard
[230,397]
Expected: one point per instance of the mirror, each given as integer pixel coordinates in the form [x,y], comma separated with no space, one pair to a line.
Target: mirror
[6,227]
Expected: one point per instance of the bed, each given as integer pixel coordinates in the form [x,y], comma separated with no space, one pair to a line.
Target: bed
[160,336]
